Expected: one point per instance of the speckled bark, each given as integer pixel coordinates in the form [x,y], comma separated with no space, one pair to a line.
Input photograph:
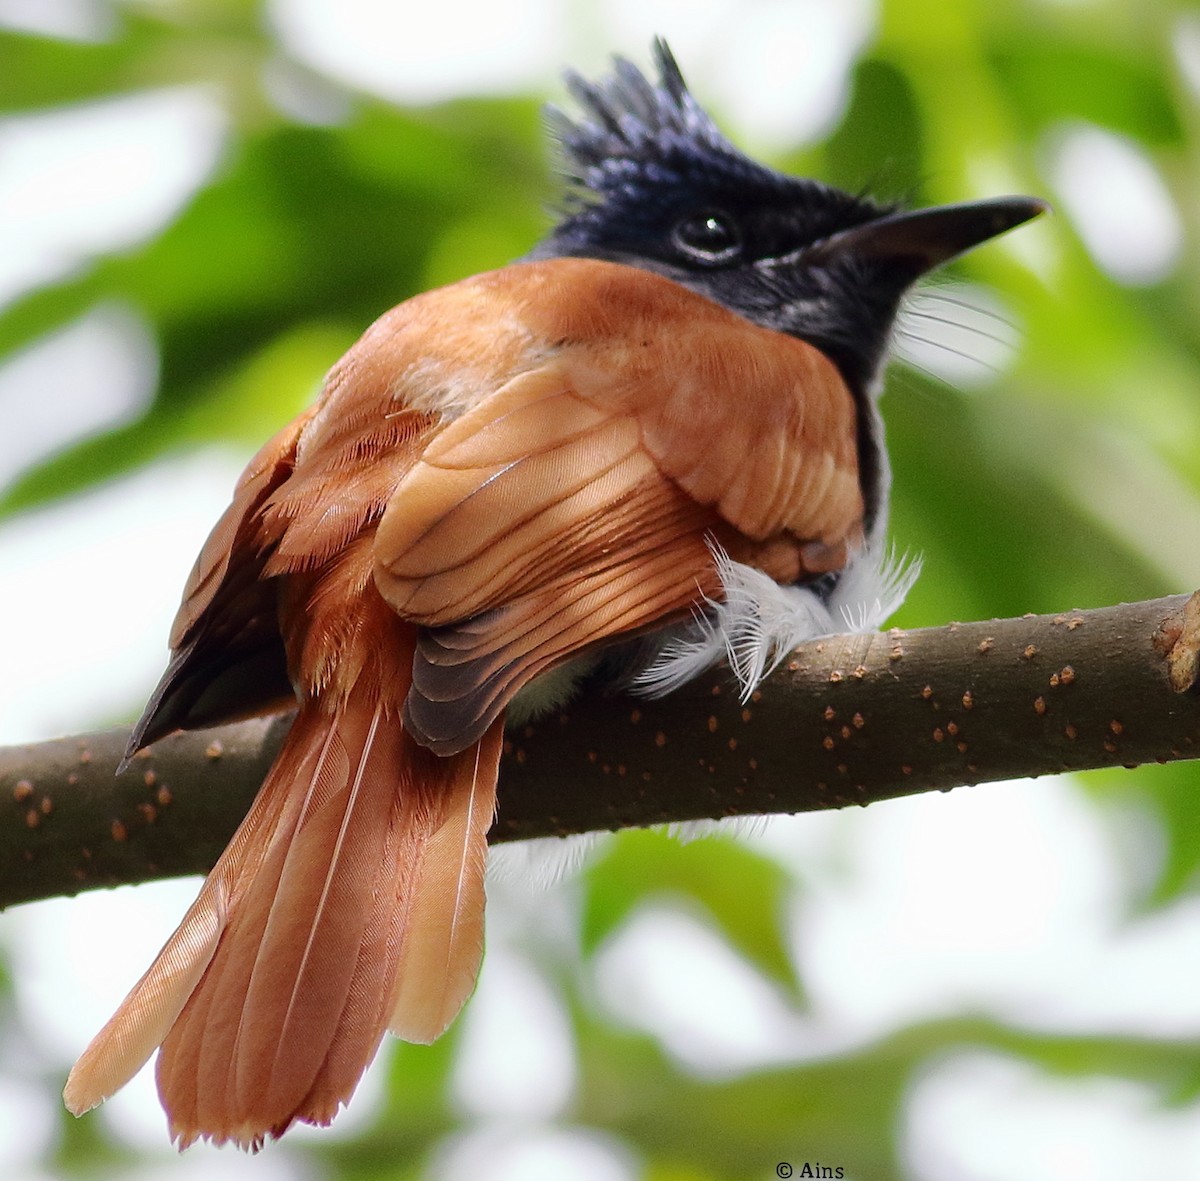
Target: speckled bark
[848,720]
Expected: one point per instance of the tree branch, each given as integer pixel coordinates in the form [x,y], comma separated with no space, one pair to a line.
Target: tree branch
[848,720]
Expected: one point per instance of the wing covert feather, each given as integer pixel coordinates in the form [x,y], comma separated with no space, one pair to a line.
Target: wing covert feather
[736,417]
[496,506]
[574,504]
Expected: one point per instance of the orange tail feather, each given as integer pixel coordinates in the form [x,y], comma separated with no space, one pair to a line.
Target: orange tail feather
[351,899]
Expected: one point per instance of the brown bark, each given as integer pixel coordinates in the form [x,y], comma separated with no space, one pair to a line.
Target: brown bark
[848,720]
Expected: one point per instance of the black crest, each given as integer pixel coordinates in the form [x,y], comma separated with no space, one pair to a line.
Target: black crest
[630,124]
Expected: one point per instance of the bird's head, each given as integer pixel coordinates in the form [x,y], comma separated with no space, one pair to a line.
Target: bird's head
[653,183]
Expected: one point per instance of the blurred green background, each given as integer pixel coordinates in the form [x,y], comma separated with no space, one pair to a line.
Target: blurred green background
[995,984]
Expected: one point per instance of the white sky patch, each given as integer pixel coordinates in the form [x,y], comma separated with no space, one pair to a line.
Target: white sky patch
[531,1153]
[981,1115]
[74,20]
[28,1125]
[90,376]
[670,975]
[83,180]
[1117,201]
[1185,41]
[778,70]
[88,589]
[1003,898]
[516,1058]
[428,52]
[954,901]
[1137,980]
[789,74]
[203,1162]
[304,95]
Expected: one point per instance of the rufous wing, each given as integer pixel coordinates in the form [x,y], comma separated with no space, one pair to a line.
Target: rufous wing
[524,538]
[578,501]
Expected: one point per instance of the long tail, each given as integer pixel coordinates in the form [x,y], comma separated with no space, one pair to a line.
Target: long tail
[350,901]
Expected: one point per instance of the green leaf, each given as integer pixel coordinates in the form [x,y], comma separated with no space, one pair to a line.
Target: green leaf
[878,147]
[1053,79]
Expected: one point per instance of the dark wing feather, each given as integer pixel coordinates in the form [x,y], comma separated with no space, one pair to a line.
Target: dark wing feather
[228,660]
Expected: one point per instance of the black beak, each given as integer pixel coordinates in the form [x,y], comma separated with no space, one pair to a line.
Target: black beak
[926,238]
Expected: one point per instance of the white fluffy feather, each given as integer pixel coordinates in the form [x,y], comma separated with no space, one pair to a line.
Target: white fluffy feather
[543,861]
[759,622]
[755,627]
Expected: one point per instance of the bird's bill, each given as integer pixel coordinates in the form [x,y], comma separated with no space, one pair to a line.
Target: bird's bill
[923,239]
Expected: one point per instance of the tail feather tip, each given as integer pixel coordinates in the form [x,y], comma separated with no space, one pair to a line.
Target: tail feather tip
[79,1105]
[82,1093]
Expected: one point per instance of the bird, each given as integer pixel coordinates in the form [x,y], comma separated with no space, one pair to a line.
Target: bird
[651,442]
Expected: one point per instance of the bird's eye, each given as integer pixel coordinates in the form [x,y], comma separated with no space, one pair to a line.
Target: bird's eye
[708,237]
